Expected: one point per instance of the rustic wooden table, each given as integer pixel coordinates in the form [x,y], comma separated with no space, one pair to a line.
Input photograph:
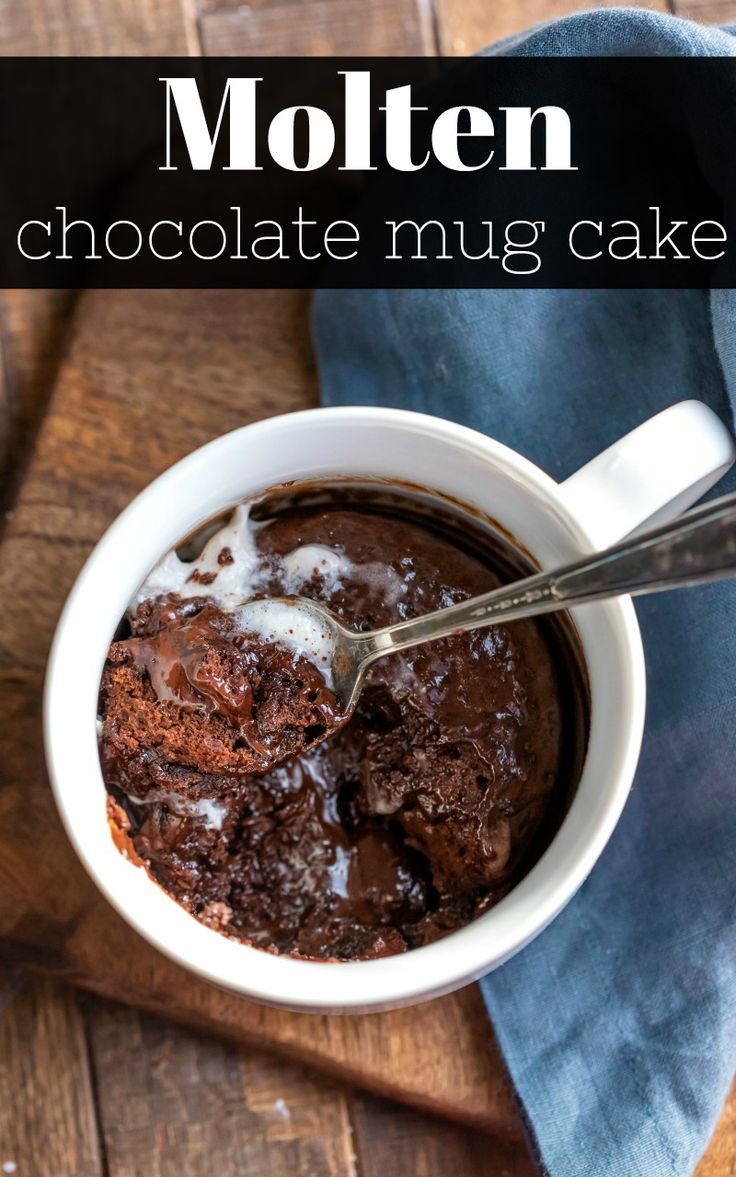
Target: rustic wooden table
[89,1087]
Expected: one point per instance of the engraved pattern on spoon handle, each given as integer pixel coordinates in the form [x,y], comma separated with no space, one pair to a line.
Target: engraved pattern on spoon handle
[696,547]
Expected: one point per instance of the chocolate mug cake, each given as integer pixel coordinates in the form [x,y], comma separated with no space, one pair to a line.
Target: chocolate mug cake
[275,818]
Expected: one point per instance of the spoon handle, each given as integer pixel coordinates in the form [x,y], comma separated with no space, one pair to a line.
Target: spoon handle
[698,546]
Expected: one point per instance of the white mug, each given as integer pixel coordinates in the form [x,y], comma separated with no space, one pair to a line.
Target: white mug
[654,472]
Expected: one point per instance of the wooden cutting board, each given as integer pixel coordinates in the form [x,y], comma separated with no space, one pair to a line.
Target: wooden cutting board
[147,377]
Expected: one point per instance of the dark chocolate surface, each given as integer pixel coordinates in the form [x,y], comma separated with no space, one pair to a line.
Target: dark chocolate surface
[413,818]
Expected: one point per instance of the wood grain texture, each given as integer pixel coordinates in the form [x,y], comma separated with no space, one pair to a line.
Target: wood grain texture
[465,26]
[33,322]
[173,1102]
[33,326]
[6,406]
[414,1145]
[87,27]
[719,1159]
[148,376]
[193,1105]
[47,1115]
[712,12]
[383,27]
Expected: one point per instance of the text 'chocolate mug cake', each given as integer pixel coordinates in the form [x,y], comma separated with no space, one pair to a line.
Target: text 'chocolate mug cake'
[276,819]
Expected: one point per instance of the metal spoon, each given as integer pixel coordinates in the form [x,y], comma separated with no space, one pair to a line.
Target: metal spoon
[698,546]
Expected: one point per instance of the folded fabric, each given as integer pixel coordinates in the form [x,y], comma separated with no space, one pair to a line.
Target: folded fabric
[618,1024]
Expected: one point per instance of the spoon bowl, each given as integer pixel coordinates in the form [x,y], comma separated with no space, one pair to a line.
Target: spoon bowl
[314,632]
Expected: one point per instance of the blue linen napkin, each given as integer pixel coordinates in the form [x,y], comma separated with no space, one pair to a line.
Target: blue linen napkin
[618,1024]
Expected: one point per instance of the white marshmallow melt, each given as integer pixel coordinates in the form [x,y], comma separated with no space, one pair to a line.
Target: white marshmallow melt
[233,582]
[246,571]
[211,813]
[300,566]
[292,626]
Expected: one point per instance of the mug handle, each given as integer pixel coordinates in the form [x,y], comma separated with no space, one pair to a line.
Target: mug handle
[652,474]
